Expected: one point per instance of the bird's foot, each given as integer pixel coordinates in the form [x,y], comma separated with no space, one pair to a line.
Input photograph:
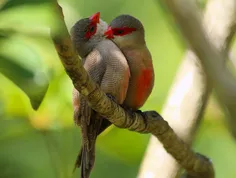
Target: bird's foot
[131,111]
[141,113]
[127,109]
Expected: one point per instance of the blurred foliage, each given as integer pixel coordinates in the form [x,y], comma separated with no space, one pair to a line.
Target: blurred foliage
[45,143]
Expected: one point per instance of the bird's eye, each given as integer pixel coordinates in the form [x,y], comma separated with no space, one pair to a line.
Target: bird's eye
[92,28]
[122,31]
[119,32]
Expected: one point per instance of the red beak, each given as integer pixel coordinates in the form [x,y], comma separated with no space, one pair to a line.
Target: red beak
[109,33]
[95,18]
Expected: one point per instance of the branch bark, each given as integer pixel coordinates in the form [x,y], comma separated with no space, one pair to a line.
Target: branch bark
[190,91]
[151,122]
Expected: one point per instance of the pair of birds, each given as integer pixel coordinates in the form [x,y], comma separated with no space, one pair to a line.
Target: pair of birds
[117,59]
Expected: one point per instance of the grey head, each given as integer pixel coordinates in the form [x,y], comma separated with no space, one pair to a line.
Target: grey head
[87,33]
[126,31]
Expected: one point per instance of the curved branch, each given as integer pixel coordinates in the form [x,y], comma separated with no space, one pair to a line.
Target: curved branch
[152,122]
[190,91]
[211,59]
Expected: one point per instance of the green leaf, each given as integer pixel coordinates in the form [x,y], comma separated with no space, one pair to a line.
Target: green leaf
[34,84]
[28,19]
[14,3]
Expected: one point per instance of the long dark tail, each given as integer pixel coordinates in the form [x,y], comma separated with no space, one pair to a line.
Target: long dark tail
[85,160]
[86,157]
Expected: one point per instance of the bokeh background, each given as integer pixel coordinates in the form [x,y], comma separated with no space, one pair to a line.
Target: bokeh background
[45,143]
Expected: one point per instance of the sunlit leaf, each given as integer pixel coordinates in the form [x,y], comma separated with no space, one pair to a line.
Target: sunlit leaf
[14,3]
[28,19]
[33,84]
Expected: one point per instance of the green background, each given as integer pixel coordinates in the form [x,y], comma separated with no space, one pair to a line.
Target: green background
[45,143]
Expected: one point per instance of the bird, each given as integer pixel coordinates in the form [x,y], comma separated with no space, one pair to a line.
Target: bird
[108,67]
[127,32]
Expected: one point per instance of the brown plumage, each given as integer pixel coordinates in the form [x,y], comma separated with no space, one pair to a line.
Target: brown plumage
[128,33]
[108,67]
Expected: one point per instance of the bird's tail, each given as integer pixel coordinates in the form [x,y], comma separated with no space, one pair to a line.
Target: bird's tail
[92,124]
[91,153]
[86,159]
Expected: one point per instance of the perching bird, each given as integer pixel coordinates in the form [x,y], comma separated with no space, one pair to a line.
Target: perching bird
[107,66]
[128,33]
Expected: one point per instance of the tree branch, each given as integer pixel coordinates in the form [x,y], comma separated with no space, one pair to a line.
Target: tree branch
[211,59]
[153,123]
[190,91]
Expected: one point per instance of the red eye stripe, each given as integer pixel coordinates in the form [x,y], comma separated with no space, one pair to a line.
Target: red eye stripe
[123,31]
[91,30]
